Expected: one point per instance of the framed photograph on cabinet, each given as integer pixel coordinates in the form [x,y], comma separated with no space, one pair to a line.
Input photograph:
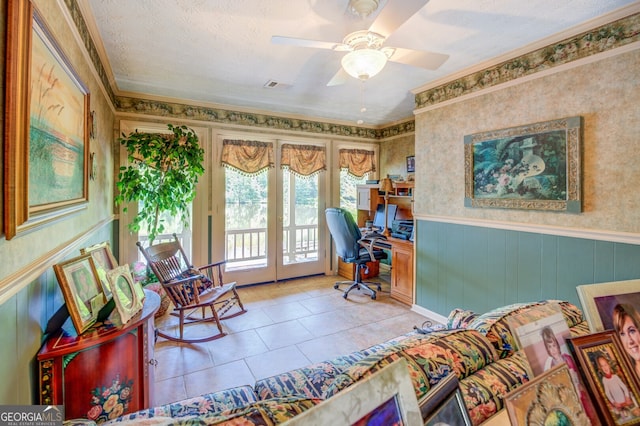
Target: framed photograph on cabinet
[105,261]
[385,397]
[547,399]
[47,126]
[126,296]
[80,285]
[532,167]
[608,375]
[599,302]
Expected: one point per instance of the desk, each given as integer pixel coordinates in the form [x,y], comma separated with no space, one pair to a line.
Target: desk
[401,268]
[76,371]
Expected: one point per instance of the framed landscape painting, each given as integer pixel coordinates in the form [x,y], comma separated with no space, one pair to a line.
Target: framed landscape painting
[533,167]
[48,134]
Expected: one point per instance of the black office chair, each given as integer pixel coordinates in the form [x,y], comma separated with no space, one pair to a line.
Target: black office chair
[353,248]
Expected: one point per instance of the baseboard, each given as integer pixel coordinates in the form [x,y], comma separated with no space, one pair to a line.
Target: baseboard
[429,314]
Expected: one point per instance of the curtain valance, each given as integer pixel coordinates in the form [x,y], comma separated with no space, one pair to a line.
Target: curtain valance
[303,160]
[248,157]
[357,162]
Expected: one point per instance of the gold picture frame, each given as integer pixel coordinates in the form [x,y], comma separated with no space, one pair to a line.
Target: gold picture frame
[83,294]
[46,126]
[548,395]
[104,261]
[127,298]
[597,301]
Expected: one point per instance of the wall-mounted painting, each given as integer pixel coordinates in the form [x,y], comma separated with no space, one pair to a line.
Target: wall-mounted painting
[533,167]
[47,139]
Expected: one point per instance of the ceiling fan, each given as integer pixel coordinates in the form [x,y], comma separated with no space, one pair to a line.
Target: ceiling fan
[366,55]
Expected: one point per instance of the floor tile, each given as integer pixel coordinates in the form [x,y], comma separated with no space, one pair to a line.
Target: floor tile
[284,334]
[179,360]
[220,377]
[286,311]
[328,347]
[276,362]
[170,390]
[236,346]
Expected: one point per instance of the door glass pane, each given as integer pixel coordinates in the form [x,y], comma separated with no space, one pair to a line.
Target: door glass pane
[349,192]
[245,220]
[172,224]
[299,218]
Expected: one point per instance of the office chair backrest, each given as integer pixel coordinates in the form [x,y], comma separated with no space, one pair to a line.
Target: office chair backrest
[345,233]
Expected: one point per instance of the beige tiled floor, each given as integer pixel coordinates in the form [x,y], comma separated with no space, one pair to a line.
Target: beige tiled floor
[287,325]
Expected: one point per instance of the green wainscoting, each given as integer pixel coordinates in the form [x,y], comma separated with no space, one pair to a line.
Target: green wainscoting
[480,268]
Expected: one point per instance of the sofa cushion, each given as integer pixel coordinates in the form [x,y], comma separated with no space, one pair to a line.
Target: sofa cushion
[461,352]
[211,403]
[484,390]
[495,325]
[460,318]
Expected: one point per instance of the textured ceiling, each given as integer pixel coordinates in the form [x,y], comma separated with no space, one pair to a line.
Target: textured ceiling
[220,51]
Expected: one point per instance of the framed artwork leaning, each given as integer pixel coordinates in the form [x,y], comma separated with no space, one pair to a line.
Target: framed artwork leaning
[600,300]
[126,296]
[105,261]
[385,397]
[444,404]
[82,291]
[548,399]
[607,372]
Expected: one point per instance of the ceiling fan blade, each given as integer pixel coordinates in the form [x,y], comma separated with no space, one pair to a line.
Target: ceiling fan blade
[394,14]
[301,42]
[418,58]
[339,78]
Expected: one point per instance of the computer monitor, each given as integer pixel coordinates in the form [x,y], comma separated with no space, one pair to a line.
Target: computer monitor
[378,219]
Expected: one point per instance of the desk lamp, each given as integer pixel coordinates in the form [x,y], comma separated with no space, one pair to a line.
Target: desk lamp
[387,186]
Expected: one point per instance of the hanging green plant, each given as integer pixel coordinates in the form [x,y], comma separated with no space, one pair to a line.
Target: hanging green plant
[161,176]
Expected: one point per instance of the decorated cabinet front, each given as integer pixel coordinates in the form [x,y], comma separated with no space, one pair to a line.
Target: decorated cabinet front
[103,373]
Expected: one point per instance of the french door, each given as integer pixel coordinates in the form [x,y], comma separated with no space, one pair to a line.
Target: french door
[273,223]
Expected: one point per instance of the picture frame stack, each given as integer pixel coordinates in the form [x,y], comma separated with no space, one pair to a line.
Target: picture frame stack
[93,279]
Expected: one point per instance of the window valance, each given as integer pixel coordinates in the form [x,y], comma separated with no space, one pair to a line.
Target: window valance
[303,160]
[248,157]
[357,162]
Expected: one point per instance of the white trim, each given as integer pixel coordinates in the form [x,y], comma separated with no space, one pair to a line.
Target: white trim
[540,74]
[429,314]
[12,284]
[591,234]
[591,24]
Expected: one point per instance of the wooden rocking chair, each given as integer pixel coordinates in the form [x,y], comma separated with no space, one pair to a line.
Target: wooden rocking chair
[192,289]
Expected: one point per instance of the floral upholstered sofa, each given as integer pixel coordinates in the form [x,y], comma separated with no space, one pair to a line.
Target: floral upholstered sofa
[479,349]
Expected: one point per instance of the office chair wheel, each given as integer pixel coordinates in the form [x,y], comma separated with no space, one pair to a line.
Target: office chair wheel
[373,296]
[335,286]
[345,295]
[379,287]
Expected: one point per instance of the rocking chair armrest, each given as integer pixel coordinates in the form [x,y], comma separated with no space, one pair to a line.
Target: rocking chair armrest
[185,280]
[212,265]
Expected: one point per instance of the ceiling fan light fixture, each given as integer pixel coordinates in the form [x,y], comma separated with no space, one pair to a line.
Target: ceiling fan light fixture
[363,8]
[364,63]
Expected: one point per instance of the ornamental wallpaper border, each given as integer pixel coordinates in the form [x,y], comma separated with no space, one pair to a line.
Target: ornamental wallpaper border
[606,37]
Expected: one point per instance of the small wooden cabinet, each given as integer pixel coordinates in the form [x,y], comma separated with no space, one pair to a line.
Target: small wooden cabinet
[402,270]
[105,372]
